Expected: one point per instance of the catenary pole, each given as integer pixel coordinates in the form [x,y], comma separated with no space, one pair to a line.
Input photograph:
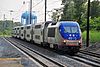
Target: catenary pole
[45,10]
[88,14]
[45,17]
[30,11]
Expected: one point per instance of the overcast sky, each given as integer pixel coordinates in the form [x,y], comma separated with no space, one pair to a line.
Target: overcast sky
[18,7]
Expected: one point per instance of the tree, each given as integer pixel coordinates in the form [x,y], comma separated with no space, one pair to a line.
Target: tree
[68,10]
[80,9]
[73,9]
[54,16]
[95,9]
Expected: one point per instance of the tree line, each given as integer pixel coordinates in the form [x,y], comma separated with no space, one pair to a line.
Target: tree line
[7,26]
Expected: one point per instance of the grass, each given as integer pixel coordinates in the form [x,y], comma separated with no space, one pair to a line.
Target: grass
[94,36]
[5,35]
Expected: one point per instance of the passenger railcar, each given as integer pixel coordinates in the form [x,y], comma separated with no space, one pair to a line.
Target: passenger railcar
[27,32]
[40,33]
[63,35]
[37,33]
[14,32]
[18,31]
[22,32]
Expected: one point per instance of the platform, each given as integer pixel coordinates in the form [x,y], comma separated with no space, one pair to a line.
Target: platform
[10,62]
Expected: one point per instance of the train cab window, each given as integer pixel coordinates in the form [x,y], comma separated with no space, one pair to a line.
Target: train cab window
[28,27]
[51,32]
[37,26]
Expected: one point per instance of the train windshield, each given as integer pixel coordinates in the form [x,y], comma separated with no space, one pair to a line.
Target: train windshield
[71,29]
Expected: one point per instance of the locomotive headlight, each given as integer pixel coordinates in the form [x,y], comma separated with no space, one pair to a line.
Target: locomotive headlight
[79,41]
[64,41]
[80,44]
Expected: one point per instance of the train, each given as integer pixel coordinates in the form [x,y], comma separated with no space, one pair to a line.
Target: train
[62,35]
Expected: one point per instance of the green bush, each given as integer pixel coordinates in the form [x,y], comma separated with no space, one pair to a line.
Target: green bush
[94,24]
[94,36]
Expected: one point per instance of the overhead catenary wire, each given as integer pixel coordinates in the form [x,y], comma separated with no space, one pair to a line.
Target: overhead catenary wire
[18,12]
[37,4]
[23,6]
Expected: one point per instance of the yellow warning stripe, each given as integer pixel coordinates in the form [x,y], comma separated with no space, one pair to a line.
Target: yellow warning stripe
[9,59]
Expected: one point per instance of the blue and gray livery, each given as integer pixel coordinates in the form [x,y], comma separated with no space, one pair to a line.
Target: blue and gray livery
[71,35]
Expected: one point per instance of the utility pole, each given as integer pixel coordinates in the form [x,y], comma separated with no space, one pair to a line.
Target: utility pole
[88,14]
[3,24]
[11,11]
[45,10]
[30,11]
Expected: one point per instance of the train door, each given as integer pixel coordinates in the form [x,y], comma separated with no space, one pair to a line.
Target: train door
[45,32]
[51,36]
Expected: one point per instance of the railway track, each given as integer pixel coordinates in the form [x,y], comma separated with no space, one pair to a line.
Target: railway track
[85,60]
[77,57]
[87,57]
[40,58]
[90,53]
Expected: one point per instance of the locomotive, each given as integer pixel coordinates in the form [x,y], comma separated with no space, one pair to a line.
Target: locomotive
[62,35]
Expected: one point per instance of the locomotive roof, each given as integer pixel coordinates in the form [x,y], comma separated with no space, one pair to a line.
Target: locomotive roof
[64,23]
[69,22]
